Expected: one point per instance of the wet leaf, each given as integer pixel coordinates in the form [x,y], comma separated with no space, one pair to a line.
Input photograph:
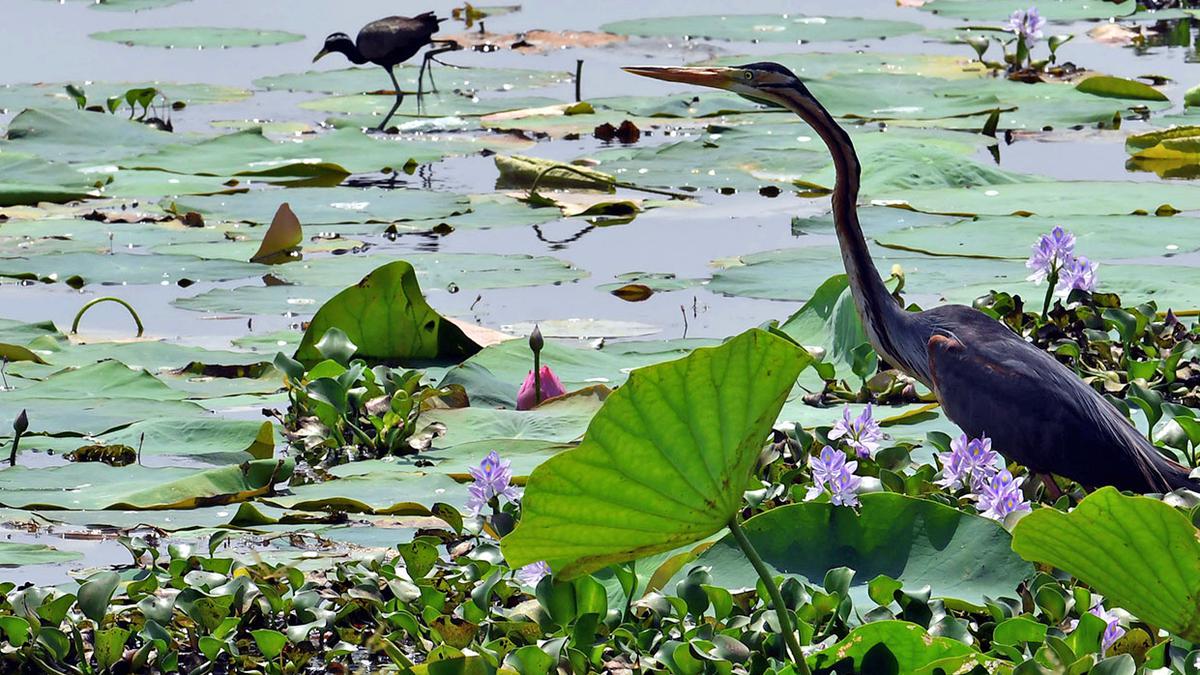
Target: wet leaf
[19,555]
[1117,87]
[196,37]
[791,28]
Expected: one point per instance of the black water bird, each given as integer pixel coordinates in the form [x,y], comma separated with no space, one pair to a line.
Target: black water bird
[988,379]
[390,42]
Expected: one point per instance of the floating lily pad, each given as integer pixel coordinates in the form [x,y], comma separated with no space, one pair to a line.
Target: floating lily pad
[13,554]
[1000,10]
[25,179]
[323,206]
[366,107]
[359,80]
[791,28]
[196,37]
[388,490]
[81,136]
[1068,198]
[125,268]
[129,5]
[41,94]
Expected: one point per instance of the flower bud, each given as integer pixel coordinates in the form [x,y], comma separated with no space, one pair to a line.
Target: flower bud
[536,342]
[21,424]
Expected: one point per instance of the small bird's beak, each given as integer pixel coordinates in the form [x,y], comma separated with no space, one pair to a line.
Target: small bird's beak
[717,77]
[321,53]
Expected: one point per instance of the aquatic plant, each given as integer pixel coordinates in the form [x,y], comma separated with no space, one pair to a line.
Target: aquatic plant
[492,481]
[969,465]
[862,434]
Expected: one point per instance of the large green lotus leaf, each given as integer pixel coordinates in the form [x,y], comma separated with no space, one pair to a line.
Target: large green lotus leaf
[189,441]
[106,379]
[259,300]
[1174,286]
[1066,198]
[126,268]
[559,421]
[68,235]
[322,206]
[664,463]
[379,488]
[493,376]
[150,355]
[14,331]
[1098,237]
[1141,554]
[915,541]
[387,317]
[359,80]
[92,416]
[791,28]
[196,37]
[829,320]
[682,106]
[523,454]
[36,95]
[26,179]
[439,270]
[916,652]
[369,109]
[93,486]
[132,184]
[784,274]
[13,554]
[81,136]
[488,211]
[171,520]
[128,5]
[249,152]
[1000,10]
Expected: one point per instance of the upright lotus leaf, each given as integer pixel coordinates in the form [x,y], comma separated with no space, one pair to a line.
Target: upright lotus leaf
[281,239]
[386,315]
[663,464]
[829,320]
[1140,553]
[915,541]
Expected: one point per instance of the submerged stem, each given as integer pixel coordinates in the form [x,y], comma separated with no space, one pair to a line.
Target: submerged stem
[781,610]
[82,310]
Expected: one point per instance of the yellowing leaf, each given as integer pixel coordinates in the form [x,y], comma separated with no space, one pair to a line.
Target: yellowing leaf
[281,239]
[18,353]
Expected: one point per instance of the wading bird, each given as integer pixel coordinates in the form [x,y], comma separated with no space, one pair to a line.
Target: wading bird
[390,42]
[988,379]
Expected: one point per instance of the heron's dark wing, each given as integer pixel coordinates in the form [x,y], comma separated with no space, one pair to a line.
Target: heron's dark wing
[395,39]
[1037,411]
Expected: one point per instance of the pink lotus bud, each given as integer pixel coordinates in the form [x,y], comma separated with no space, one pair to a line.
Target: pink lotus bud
[551,386]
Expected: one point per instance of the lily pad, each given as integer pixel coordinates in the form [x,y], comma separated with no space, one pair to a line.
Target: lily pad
[126,268]
[81,136]
[359,80]
[915,541]
[196,37]
[40,94]
[1000,10]
[790,28]
[1067,198]
[13,554]
[324,206]
[386,317]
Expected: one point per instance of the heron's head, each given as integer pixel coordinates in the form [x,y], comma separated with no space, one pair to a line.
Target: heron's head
[336,42]
[763,82]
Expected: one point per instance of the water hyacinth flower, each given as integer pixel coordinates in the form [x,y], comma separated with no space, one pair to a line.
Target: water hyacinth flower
[1002,496]
[1026,25]
[551,386]
[1112,631]
[1050,254]
[532,573]
[492,480]
[970,464]
[831,472]
[1076,272]
[863,434]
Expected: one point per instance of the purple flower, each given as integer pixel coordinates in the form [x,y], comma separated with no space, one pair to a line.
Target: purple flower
[1002,496]
[1050,254]
[863,434]
[551,387]
[1027,25]
[1076,272]
[532,573]
[492,478]
[970,464]
[1113,631]
[832,472]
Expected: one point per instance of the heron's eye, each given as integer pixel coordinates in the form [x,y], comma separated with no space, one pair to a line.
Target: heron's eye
[748,75]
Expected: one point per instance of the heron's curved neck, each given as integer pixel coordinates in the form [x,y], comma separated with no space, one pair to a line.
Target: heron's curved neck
[881,315]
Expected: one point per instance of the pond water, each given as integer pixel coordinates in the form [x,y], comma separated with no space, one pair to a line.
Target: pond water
[48,42]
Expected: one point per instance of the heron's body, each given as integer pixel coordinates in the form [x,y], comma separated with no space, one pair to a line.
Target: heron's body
[389,42]
[988,379]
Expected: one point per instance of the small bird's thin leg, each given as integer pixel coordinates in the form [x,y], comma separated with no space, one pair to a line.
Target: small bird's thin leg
[431,56]
[399,98]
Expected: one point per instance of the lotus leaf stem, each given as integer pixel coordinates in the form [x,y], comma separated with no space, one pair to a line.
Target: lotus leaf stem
[781,610]
[82,310]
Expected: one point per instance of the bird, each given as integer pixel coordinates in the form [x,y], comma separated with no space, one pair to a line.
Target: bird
[391,41]
[988,379]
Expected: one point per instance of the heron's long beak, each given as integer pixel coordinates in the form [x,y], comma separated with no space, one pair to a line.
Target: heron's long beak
[321,53]
[717,77]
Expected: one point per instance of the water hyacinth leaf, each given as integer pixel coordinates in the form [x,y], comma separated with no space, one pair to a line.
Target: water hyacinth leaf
[790,28]
[96,593]
[282,238]
[14,554]
[196,37]
[1118,87]
[387,317]
[915,651]
[915,541]
[653,472]
[1108,542]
